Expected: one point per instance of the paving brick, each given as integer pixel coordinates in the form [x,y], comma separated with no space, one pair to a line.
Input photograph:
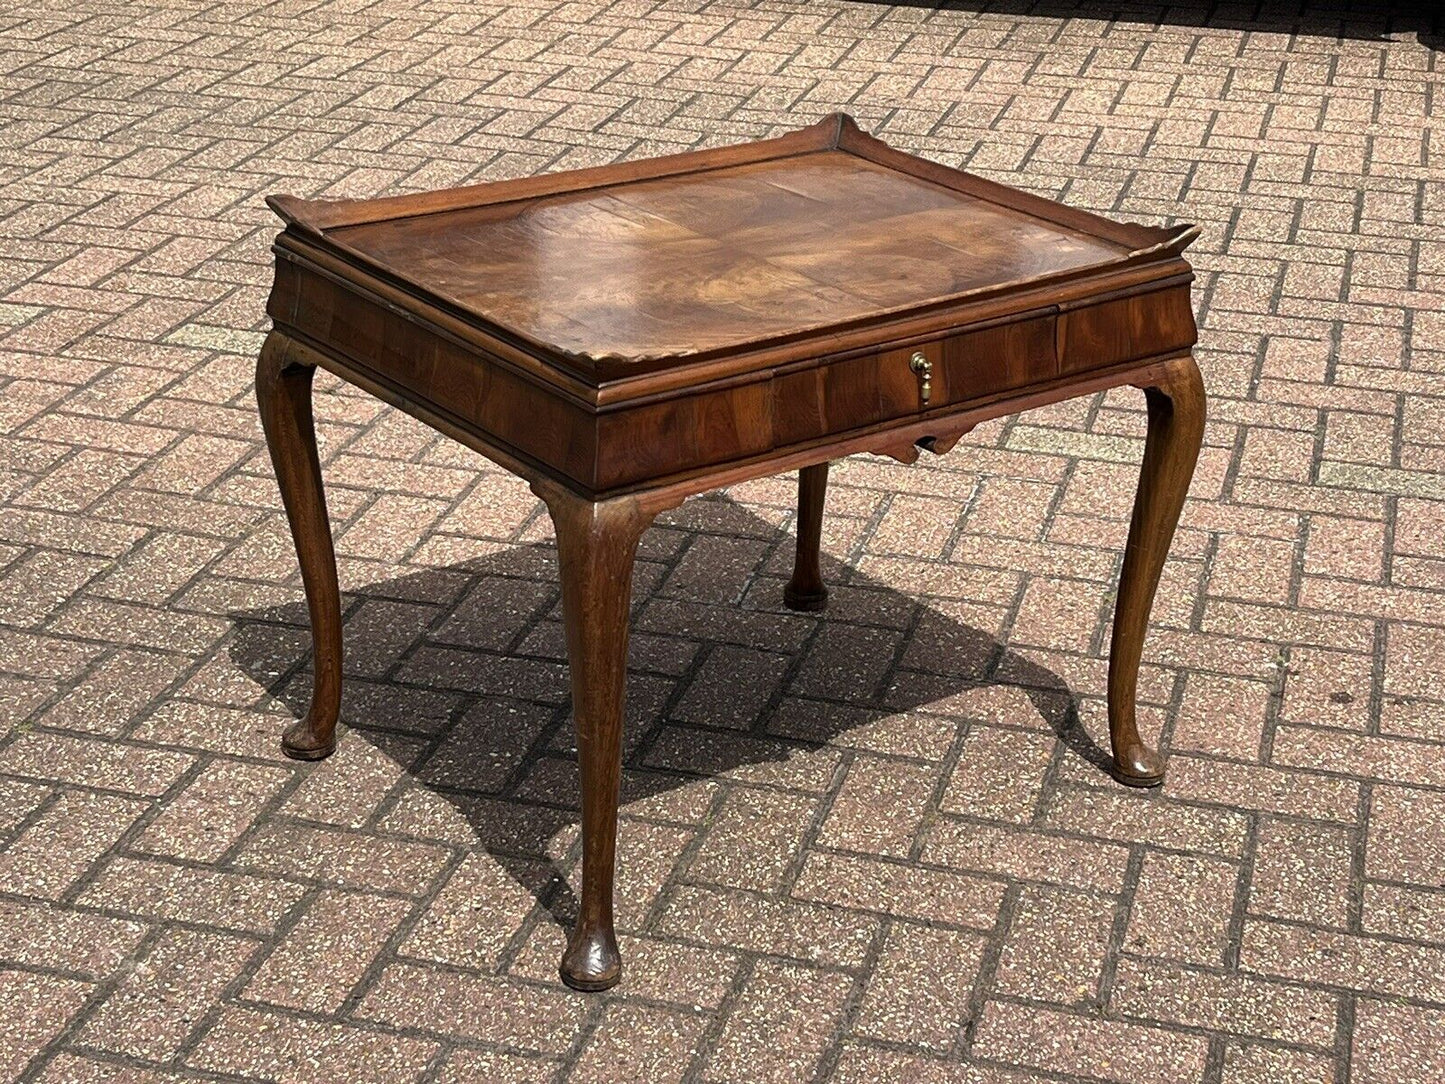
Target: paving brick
[1341,960]
[1182,908]
[1027,855]
[65,1068]
[64,841]
[783,1027]
[919,990]
[114,692]
[1406,827]
[472,917]
[496,1067]
[1303,872]
[1276,790]
[633,1043]
[184,893]
[902,889]
[33,1009]
[1397,1043]
[483,1009]
[753,923]
[154,642]
[1000,774]
[1085,1046]
[352,861]
[86,763]
[213,812]
[1398,911]
[1254,1064]
[1222,716]
[1327,688]
[753,839]
[40,936]
[873,783]
[1228,1002]
[1119,816]
[287,1048]
[1056,946]
[327,952]
[163,998]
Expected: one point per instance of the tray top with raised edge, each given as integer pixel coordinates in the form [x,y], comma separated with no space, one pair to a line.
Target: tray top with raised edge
[626,269]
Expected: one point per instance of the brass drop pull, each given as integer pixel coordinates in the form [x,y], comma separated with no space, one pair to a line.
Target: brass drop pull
[921,365]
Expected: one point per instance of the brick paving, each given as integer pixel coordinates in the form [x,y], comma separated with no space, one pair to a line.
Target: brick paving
[871,847]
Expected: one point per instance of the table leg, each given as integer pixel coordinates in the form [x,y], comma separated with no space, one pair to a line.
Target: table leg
[1176,427]
[806,590]
[283,393]
[596,547]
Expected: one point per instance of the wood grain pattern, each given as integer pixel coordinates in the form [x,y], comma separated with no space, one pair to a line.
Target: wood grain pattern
[1175,399]
[283,395]
[806,591]
[629,336]
[596,546]
[717,260]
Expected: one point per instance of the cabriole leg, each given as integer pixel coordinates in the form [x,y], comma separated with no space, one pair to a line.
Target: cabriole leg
[806,590]
[596,547]
[283,393]
[1176,428]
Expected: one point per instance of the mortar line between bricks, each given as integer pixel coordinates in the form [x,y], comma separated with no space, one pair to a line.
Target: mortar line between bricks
[98,997]
[1036,103]
[1344,1042]
[847,1019]
[983,984]
[1119,925]
[1355,901]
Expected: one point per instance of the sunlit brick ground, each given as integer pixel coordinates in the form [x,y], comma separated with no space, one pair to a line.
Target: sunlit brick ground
[854,848]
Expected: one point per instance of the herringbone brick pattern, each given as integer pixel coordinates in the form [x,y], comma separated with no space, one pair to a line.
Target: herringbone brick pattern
[871,847]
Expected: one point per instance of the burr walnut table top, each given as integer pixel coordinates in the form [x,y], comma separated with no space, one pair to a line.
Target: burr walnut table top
[617,327]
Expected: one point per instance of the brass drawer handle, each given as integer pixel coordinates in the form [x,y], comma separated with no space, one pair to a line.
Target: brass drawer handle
[921,365]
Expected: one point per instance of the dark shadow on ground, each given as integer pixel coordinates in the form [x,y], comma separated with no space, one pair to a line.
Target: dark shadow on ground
[457,673]
[1348,19]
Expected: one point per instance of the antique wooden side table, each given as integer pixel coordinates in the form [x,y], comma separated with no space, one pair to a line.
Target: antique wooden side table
[629,336]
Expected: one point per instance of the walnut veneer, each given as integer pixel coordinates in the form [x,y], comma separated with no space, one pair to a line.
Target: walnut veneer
[626,337]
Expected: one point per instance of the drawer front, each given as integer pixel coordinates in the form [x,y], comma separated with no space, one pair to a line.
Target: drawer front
[840,396]
[1126,329]
[996,359]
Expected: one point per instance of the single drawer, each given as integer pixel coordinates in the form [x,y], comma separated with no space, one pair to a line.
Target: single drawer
[1092,336]
[852,393]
